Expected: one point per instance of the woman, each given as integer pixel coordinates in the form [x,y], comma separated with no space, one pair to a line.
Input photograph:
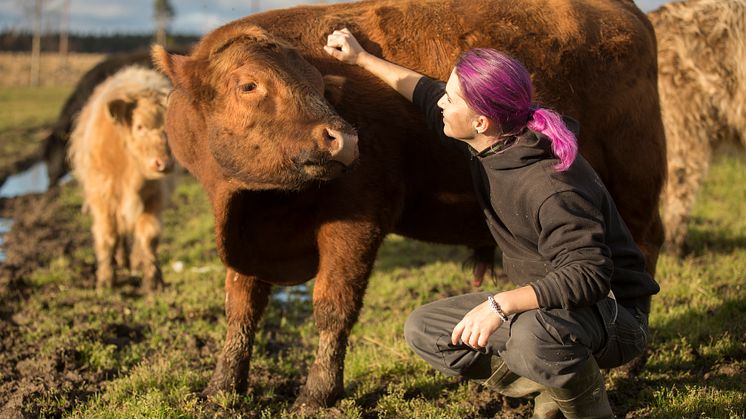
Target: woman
[583,295]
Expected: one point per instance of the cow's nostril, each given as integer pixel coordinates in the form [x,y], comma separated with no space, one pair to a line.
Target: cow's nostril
[332,140]
[328,135]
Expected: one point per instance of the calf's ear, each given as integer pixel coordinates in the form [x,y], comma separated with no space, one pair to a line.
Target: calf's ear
[334,88]
[172,65]
[120,111]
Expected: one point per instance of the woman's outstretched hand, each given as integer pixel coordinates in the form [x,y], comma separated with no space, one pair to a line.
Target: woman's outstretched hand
[342,45]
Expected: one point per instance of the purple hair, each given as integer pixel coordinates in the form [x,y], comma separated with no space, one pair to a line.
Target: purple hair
[499,87]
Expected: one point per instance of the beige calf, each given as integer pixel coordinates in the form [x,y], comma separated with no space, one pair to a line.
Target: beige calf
[120,156]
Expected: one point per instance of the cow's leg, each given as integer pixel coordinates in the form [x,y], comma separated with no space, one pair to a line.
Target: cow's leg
[245,300]
[482,260]
[346,254]
[104,231]
[146,234]
[684,180]
[121,256]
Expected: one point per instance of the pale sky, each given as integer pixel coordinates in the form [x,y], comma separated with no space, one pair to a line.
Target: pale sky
[136,16]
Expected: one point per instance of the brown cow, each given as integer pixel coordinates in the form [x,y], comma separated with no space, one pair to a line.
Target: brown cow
[248,114]
[702,84]
[119,155]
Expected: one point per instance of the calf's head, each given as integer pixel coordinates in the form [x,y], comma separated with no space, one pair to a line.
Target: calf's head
[142,117]
[261,109]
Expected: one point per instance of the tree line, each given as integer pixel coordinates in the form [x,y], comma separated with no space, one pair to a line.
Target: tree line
[90,43]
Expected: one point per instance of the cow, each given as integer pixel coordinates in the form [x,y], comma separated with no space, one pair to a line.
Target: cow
[250,118]
[120,157]
[702,86]
[54,147]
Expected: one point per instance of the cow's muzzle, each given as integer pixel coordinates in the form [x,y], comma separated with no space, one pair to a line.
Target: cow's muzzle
[342,145]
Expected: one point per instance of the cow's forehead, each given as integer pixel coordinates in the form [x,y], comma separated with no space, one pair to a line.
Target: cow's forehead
[282,62]
[240,53]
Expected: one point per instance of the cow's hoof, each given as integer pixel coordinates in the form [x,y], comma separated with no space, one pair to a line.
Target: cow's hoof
[152,281]
[225,383]
[309,402]
[104,278]
[304,406]
[226,400]
[676,249]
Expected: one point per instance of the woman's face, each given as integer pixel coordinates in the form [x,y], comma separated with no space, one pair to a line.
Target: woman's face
[458,118]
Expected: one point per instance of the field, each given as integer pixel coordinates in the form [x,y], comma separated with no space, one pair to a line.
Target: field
[66,350]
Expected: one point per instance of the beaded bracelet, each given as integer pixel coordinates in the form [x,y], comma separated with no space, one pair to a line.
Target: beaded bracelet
[497,309]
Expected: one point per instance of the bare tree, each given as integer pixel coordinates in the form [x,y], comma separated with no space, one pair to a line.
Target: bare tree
[164,12]
[64,29]
[36,44]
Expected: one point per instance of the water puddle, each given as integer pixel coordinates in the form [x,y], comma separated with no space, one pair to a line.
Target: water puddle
[297,293]
[33,180]
[5,225]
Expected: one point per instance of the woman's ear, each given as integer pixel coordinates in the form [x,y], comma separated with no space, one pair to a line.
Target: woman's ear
[482,124]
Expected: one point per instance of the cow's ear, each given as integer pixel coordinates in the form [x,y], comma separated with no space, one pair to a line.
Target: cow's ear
[334,88]
[120,111]
[172,65]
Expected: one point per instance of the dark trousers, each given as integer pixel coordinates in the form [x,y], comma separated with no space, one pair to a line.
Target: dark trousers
[546,345]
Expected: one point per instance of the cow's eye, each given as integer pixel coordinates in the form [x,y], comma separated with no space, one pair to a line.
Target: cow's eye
[247,87]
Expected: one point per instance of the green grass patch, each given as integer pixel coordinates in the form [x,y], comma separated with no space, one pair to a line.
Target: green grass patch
[24,112]
[30,106]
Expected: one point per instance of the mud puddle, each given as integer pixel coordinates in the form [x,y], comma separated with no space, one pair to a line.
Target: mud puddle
[18,187]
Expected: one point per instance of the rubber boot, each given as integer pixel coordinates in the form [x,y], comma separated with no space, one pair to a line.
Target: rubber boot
[510,384]
[585,395]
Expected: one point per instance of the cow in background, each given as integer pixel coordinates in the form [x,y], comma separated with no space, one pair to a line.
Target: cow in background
[119,154]
[702,87]
[250,118]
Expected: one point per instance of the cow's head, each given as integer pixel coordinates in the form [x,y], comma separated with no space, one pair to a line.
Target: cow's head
[142,116]
[261,110]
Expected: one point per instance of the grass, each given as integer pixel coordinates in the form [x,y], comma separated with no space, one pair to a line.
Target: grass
[30,106]
[24,112]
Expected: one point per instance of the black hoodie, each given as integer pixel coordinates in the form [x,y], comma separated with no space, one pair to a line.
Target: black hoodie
[559,232]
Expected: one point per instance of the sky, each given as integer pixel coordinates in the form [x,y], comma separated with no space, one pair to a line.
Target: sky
[136,16]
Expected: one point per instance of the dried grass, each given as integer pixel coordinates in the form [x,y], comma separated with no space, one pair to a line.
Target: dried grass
[15,68]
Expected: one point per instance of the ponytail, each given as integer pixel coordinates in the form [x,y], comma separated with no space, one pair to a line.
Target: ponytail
[564,143]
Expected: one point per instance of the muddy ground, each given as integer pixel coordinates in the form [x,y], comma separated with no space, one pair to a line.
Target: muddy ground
[43,229]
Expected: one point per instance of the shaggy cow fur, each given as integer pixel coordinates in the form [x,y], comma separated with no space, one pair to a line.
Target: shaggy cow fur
[248,107]
[702,85]
[119,155]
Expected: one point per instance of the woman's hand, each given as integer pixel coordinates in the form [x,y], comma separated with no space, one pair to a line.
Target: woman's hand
[476,326]
[342,45]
